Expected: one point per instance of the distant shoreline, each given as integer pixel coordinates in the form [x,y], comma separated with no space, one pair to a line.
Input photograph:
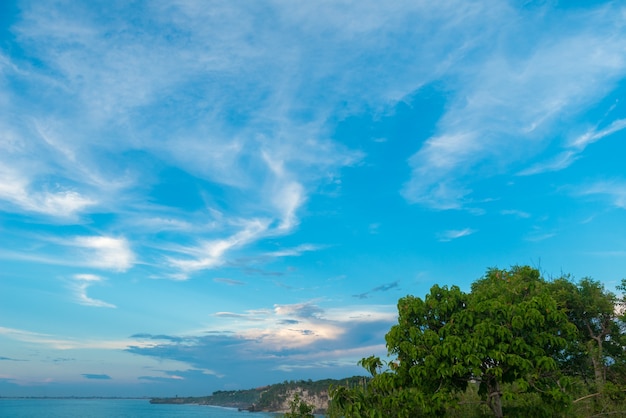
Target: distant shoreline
[146,398]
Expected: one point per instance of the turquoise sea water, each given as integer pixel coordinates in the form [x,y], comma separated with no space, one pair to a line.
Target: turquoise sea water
[112,408]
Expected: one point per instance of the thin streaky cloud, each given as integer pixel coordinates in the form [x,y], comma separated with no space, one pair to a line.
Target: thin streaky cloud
[296,251]
[211,254]
[83,299]
[494,109]
[595,135]
[230,282]
[245,317]
[516,213]
[81,283]
[65,343]
[88,277]
[568,157]
[613,190]
[559,162]
[453,234]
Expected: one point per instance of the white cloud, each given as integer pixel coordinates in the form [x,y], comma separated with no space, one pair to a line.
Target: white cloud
[294,252]
[515,212]
[16,189]
[300,310]
[454,234]
[105,252]
[594,135]
[67,343]
[255,106]
[613,190]
[510,104]
[230,282]
[558,162]
[302,324]
[80,286]
[87,277]
[210,254]
[107,73]
[249,316]
[576,147]
[288,200]
[364,313]
[107,85]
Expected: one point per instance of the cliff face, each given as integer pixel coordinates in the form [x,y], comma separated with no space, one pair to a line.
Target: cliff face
[272,398]
[282,403]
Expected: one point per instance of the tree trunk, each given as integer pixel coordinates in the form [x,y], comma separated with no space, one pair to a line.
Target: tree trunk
[598,364]
[495,399]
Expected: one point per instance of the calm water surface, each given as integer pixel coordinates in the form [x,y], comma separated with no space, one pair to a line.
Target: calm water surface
[112,408]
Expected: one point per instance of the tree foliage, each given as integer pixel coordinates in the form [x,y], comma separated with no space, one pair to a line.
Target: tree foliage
[593,311]
[516,345]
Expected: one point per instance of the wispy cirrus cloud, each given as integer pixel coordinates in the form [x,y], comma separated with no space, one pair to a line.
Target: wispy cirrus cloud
[596,134]
[49,200]
[558,162]
[612,190]
[105,252]
[266,156]
[81,282]
[538,234]
[515,212]
[250,316]
[92,251]
[453,234]
[574,149]
[63,342]
[295,251]
[211,254]
[279,150]
[516,95]
[254,111]
[230,282]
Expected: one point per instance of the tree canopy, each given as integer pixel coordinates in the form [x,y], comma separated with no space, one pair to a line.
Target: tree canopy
[515,345]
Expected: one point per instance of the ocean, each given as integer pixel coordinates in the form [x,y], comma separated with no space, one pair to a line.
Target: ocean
[113,408]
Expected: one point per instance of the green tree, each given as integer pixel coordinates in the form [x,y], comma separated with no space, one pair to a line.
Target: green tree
[504,337]
[518,332]
[381,397]
[428,346]
[593,310]
[597,355]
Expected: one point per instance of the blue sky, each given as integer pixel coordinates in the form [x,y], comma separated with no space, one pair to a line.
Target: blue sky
[220,195]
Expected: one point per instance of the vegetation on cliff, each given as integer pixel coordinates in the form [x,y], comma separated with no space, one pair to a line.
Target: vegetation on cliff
[289,396]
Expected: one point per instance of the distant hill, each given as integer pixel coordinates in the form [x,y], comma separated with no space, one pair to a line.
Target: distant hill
[272,398]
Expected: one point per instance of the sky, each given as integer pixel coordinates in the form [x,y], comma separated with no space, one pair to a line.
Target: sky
[215,195]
